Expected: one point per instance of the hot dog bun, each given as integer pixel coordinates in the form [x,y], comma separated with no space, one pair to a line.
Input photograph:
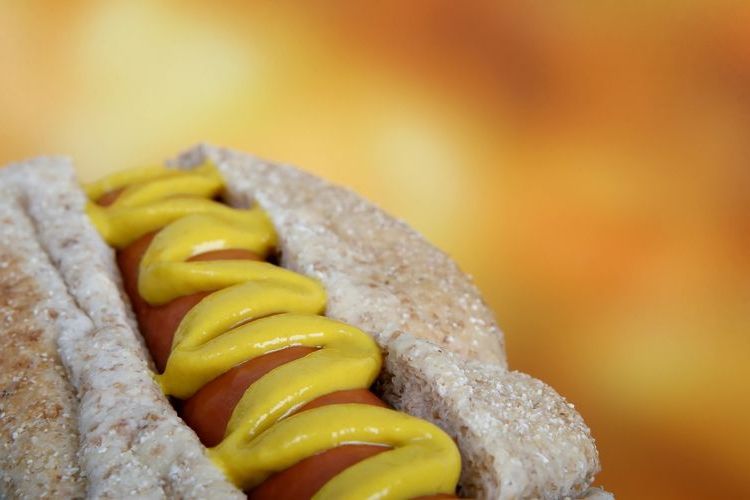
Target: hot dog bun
[445,359]
[38,406]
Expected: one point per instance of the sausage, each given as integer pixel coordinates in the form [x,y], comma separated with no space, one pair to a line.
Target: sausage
[308,475]
[156,323]
[208,411]
[159,323]
[108,198]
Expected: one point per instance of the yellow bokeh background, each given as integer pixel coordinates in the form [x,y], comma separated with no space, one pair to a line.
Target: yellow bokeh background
[587,162]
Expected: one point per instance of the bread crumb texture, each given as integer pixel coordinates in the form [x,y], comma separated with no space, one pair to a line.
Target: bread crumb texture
[38,407]
[518,437]
[132,444]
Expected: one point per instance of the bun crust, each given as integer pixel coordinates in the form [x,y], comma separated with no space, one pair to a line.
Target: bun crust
[518,437]
[38,406]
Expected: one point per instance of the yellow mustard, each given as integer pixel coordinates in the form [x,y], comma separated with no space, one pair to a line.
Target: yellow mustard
[258,308]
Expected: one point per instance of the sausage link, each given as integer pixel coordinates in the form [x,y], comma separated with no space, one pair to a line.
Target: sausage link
[208,411]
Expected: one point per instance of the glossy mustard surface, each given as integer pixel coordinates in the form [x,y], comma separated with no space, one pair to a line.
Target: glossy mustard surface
[257,308]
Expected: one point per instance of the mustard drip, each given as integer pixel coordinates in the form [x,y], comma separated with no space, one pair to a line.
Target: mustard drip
[258,308]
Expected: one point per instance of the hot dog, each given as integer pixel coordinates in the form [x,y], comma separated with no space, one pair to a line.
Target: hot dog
[443,359]
[210,408]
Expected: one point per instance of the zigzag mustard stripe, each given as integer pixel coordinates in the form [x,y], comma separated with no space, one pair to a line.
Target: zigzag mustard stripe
[258,308]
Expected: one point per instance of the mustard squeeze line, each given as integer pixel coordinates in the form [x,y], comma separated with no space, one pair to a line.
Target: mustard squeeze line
[275,308]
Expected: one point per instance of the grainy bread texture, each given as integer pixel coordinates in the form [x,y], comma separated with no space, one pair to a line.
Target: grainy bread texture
[445,358]
[518,438]
[380,274]
[38,407]
[132,443]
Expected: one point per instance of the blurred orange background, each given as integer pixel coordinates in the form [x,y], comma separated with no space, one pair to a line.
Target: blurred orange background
[587,162]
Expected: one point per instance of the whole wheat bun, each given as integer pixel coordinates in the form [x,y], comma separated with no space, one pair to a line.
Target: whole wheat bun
[445,360]
[38,407]
[131,443]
